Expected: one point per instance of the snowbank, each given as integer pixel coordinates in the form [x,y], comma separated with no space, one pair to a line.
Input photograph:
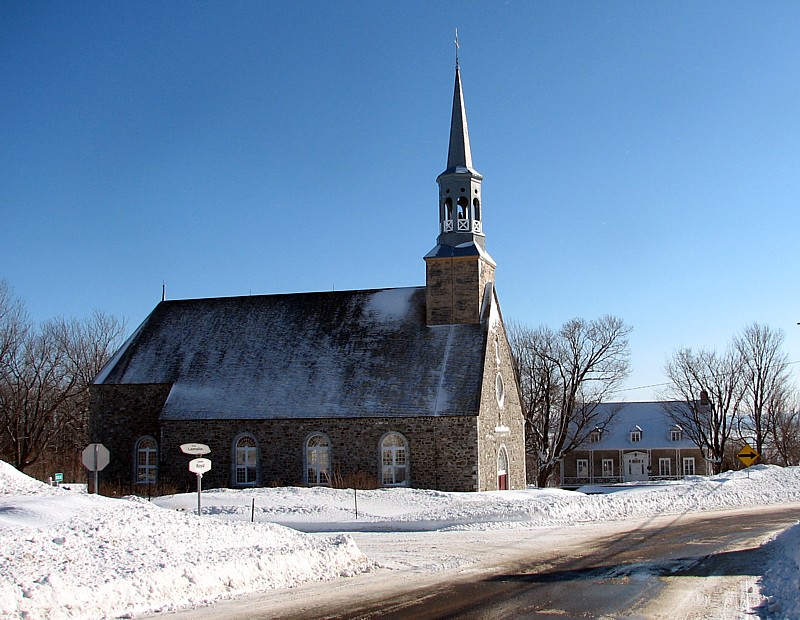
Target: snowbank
[72,555]
[93,557]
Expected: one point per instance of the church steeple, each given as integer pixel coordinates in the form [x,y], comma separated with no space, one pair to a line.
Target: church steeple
[459,155]
[458,269]
[460,184]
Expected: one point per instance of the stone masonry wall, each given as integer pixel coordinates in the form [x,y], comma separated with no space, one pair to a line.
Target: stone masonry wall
[119,415]
[441,450]
[454,288]
[500,425]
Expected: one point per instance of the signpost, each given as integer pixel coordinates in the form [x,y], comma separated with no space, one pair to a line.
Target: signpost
[95,457]
[197,449]
[747,455]
[199,467]
[59,478]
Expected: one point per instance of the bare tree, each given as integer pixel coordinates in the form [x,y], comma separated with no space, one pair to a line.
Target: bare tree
[704,398]
[765,379]
[14,324]
[36,392]
[87,345]
[44,379]
[563,377]
[784,431]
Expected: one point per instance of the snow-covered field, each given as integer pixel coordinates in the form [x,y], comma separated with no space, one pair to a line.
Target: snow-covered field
[65,554]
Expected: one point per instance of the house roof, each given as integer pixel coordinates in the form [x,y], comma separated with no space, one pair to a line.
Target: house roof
[307,355]
[650,418]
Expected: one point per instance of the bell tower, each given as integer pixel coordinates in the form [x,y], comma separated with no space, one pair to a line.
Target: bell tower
[458,269]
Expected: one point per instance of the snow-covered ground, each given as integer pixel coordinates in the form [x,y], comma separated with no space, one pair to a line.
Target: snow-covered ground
[65,554]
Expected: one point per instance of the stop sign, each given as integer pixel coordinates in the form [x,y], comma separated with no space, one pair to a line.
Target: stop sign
[95,457]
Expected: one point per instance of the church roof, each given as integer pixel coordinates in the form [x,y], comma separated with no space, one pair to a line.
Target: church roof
[306,355]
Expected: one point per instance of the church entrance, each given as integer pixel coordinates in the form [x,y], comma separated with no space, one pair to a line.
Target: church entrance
[502,470]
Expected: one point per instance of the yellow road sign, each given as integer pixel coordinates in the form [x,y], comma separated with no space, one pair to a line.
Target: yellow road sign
[747,455]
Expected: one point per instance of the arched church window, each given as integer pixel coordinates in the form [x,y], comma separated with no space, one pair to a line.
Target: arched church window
[318,459]
[476,208]
[394,460]
[146,460]
[448,208]
[245,460]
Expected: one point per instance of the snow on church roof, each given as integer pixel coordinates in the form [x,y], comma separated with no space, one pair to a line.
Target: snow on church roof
[306,355]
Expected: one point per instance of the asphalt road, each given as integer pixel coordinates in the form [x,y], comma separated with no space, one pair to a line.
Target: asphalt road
[645,569]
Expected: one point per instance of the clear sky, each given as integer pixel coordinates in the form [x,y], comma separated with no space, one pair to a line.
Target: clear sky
[640,159]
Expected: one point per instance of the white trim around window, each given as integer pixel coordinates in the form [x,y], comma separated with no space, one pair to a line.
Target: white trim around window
[318,460]
[395,460]
[245,461]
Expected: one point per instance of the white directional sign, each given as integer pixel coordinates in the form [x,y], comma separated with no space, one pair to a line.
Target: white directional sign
[199,466]
[95,457]
[195,448]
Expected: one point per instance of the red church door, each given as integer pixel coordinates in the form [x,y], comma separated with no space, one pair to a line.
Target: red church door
[502,470]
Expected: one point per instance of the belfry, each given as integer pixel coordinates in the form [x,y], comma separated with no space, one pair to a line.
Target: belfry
[458,269]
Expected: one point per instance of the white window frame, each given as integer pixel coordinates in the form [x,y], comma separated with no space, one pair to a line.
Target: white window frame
[395,462]
[595,436]
[147,471]
[689,466]
[664,467]
[608,468]
[582,468]
[318,459]
[676,434]
[636,436]
[245,461]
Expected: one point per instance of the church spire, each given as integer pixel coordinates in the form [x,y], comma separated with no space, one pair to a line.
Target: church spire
[459,155]
[459,271]
[460,184]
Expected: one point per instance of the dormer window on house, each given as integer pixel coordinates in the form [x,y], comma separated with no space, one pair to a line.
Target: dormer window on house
[676,434]
[636,435]
[595,436]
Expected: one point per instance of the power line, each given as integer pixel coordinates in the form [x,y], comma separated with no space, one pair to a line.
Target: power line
[655,385]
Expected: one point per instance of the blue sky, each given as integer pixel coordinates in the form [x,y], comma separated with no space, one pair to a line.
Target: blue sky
[640,159]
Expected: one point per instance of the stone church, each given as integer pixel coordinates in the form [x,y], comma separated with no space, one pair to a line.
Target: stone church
[406,386]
